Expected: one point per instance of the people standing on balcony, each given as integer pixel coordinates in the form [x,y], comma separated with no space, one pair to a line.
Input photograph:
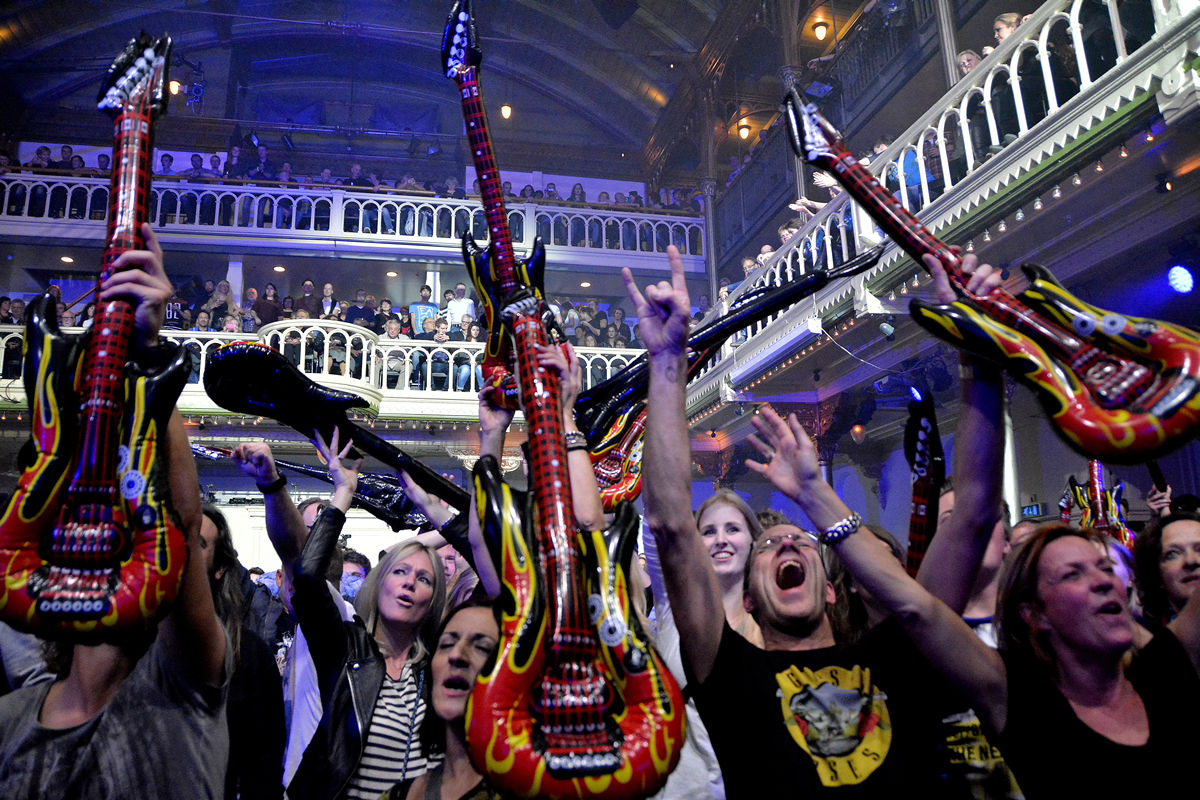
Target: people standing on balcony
[234,166]
[359,314]
[264,169]
[527,193]
[459,305]
[250,322]
[221,304]
[309,301]
[40,160]
[287,308]
[467,363]
[384,316]
[370,212]
[165,163]
[439,362]
[326,305]
[422,309]
[507,188]
[64,160]
[214,167]
[618,323]
[265,309]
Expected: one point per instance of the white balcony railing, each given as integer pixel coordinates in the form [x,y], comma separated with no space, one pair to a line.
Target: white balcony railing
[387,373]
[208,206]
[997,123]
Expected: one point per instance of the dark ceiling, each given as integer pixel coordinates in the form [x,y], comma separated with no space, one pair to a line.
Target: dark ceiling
[594,74]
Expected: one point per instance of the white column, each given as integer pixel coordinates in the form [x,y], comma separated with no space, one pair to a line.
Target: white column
[433,277]
[233,274]
[1011,488]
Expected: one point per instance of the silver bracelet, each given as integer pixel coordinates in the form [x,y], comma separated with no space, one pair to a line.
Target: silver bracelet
[842,529]
[575,441]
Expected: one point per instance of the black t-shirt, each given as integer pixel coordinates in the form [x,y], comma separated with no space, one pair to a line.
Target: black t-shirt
[1054,754]
[860,720]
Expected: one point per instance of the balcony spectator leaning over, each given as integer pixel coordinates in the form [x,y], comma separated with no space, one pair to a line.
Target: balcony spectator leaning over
[422,309]
[460,305]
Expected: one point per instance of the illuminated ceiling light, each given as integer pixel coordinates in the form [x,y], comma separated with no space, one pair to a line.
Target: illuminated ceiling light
[820,30]
[506,111]
[1057,193]
[1002,228]
[175,86]
[1037,204]
[1149,133]
[1180,278]
[66,259]
[1164,183]
[392,273]
[1099,165]
[1124,152]
[1020,215]
[585,285]
[743,129]
[987,236]
[280,268]
[970,245]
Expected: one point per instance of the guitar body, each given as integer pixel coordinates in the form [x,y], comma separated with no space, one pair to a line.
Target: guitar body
[90,546]
[1099,508]
[505,733]
[1120,389]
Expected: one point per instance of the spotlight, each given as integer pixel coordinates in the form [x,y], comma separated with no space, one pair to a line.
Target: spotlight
[816,376]
[175,86]
[1164,183]
[888,327]
[915,392]
[743,129]
[1180,278]
[506,111]
[821,30]
[859,434]
[712,433]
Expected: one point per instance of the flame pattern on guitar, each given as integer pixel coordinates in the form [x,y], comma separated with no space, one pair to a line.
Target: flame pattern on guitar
[576,702]
[1119,388]
[89,543]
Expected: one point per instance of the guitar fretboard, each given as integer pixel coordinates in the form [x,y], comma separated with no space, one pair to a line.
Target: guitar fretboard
[489,177]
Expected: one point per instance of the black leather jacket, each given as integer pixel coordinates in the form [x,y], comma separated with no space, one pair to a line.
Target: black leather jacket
[350,671]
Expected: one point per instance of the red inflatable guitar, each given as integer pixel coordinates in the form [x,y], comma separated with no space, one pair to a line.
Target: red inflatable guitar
[577,703]
[923,451]
[89,545]
[1120,389]
[1099,508]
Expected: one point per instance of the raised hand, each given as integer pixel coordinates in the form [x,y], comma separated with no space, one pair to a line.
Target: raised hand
[345,480]
[664,311]
[790,457]
[1159,502]
[140,280]
[256,460]
[563,361]
[982,279]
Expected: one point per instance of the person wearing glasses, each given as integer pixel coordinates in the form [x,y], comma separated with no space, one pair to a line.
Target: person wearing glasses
[824,716]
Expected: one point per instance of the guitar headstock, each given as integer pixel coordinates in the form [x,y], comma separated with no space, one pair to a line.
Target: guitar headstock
[810,134]
[137,80]
[460,45]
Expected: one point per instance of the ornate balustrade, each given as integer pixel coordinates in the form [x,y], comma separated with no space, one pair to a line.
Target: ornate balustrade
[398,377]
[209,207]
[1005,132]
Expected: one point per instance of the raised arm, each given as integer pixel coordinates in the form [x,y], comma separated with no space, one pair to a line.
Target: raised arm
[192,633]
[955,553]
[663,314]
[585,492]
[938,632]
[285,526]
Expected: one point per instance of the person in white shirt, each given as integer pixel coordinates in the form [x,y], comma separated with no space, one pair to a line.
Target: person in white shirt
[461,305]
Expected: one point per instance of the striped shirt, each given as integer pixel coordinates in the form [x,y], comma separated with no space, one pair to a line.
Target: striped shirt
[395,729]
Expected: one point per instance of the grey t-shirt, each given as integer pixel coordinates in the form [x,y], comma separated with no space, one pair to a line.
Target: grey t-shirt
[162,736]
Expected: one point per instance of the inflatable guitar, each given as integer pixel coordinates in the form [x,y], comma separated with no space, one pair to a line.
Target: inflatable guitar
[923,451]
[1099,508]
[612,414]
[89,544]
[1120,389]
[577,703]
[379,494]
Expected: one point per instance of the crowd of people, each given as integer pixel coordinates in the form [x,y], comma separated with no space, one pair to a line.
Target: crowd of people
[1021,661]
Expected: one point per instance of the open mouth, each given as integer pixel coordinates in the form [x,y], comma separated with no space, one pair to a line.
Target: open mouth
[457,683]
[725,555]
[1111,607]
[789,575]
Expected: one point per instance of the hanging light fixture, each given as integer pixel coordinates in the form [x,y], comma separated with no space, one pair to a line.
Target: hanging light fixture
[1037,204]
[820,30]
[506,111]
[987,236]
[743,129]
[1124,152]
[1057,193]
[970,245]
[1099,165]
[1020,215]
[1002,228]
[1078,181]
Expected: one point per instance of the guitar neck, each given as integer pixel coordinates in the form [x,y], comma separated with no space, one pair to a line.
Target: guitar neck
[467,79]
[112,331]
[888,212]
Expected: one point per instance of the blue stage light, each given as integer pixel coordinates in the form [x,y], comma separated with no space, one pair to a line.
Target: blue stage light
[916,395]
[1180,278]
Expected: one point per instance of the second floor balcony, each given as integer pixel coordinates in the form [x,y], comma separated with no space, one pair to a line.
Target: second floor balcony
[205,212]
